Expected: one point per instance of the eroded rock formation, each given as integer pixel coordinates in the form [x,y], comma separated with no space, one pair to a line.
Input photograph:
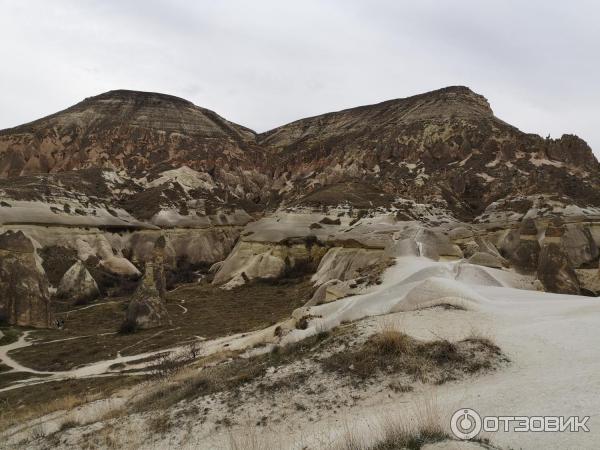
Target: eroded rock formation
[24,298]
[78,285]
[436,175]
[147,308]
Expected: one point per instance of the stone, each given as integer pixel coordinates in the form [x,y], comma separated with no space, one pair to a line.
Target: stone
[78,285]
[147,308]
[485,259]
[263,260]
[579,245]
[555,271]
[526,253]
[24,299]
[343,264]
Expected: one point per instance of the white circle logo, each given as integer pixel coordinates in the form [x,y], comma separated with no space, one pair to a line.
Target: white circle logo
[465,423]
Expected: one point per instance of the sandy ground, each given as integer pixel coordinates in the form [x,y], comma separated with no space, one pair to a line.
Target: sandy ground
[551,340]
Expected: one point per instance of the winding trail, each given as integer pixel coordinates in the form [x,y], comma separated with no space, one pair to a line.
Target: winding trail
[95,369]
[86,307]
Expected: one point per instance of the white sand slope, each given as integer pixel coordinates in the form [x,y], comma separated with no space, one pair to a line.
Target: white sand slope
[552,341]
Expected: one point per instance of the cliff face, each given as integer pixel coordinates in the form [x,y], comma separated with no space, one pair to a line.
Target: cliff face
[103,179]
[167,156]
[135,131]
[445,147]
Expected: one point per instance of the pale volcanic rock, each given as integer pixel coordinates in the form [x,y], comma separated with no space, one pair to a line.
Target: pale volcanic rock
[258,260]
[345,263]
[25,300]
[147,308]
[430,175]
[78,285]
[579,244]
[486,259]
[555,270]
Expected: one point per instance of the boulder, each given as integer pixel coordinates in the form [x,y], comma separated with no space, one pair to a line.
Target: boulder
[24,298]
[261,260]
[589,280]
[343,264]
[147,308]
[435,245]
[485,259]
[526,253]
[555,271]
[469,248]
[484,245]
[579,244]
[78,285]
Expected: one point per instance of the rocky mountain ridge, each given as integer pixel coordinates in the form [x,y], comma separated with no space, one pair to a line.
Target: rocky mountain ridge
[337,195]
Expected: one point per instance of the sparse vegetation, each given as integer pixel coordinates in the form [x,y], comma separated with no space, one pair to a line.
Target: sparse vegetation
[391,351]
[213,311]
[10,335]
[425,426]
[191,382]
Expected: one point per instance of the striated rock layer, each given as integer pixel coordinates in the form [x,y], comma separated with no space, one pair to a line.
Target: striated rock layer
[435,175]
[24,298]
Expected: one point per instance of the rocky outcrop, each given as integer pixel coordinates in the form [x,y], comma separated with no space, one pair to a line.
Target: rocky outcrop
[589,280]
[147,308]
[578,243]
[555,271]
[258,260]
[424,242]
[24,298]
[430,175]
[486,259]
[344,264]
[77,285]
[525,255]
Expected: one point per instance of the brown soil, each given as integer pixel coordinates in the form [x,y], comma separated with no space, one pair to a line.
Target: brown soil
[211,312]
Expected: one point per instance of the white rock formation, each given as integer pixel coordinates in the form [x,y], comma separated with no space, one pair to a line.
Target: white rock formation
[344,263]
[78,285]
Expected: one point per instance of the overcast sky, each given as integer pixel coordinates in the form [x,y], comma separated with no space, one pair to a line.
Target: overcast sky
[265,63]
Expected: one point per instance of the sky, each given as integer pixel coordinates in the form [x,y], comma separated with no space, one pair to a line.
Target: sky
[263,63]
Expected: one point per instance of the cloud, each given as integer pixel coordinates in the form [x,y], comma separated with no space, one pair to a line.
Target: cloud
[266,62]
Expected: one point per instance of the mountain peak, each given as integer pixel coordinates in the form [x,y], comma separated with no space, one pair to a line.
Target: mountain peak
[139,96]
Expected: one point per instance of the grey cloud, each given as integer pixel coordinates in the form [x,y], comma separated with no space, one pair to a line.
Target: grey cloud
[267,62]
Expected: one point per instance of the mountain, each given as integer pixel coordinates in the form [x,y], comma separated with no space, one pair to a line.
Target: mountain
[444,147]
[135,131]
[436,174]
[124,148]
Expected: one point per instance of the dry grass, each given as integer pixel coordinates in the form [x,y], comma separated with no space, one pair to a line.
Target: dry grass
[250,439]
[194,382]
[10,416]
[160,424]
[411,432]
[390,351]
[18,406]
[9,335]
[213,311]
